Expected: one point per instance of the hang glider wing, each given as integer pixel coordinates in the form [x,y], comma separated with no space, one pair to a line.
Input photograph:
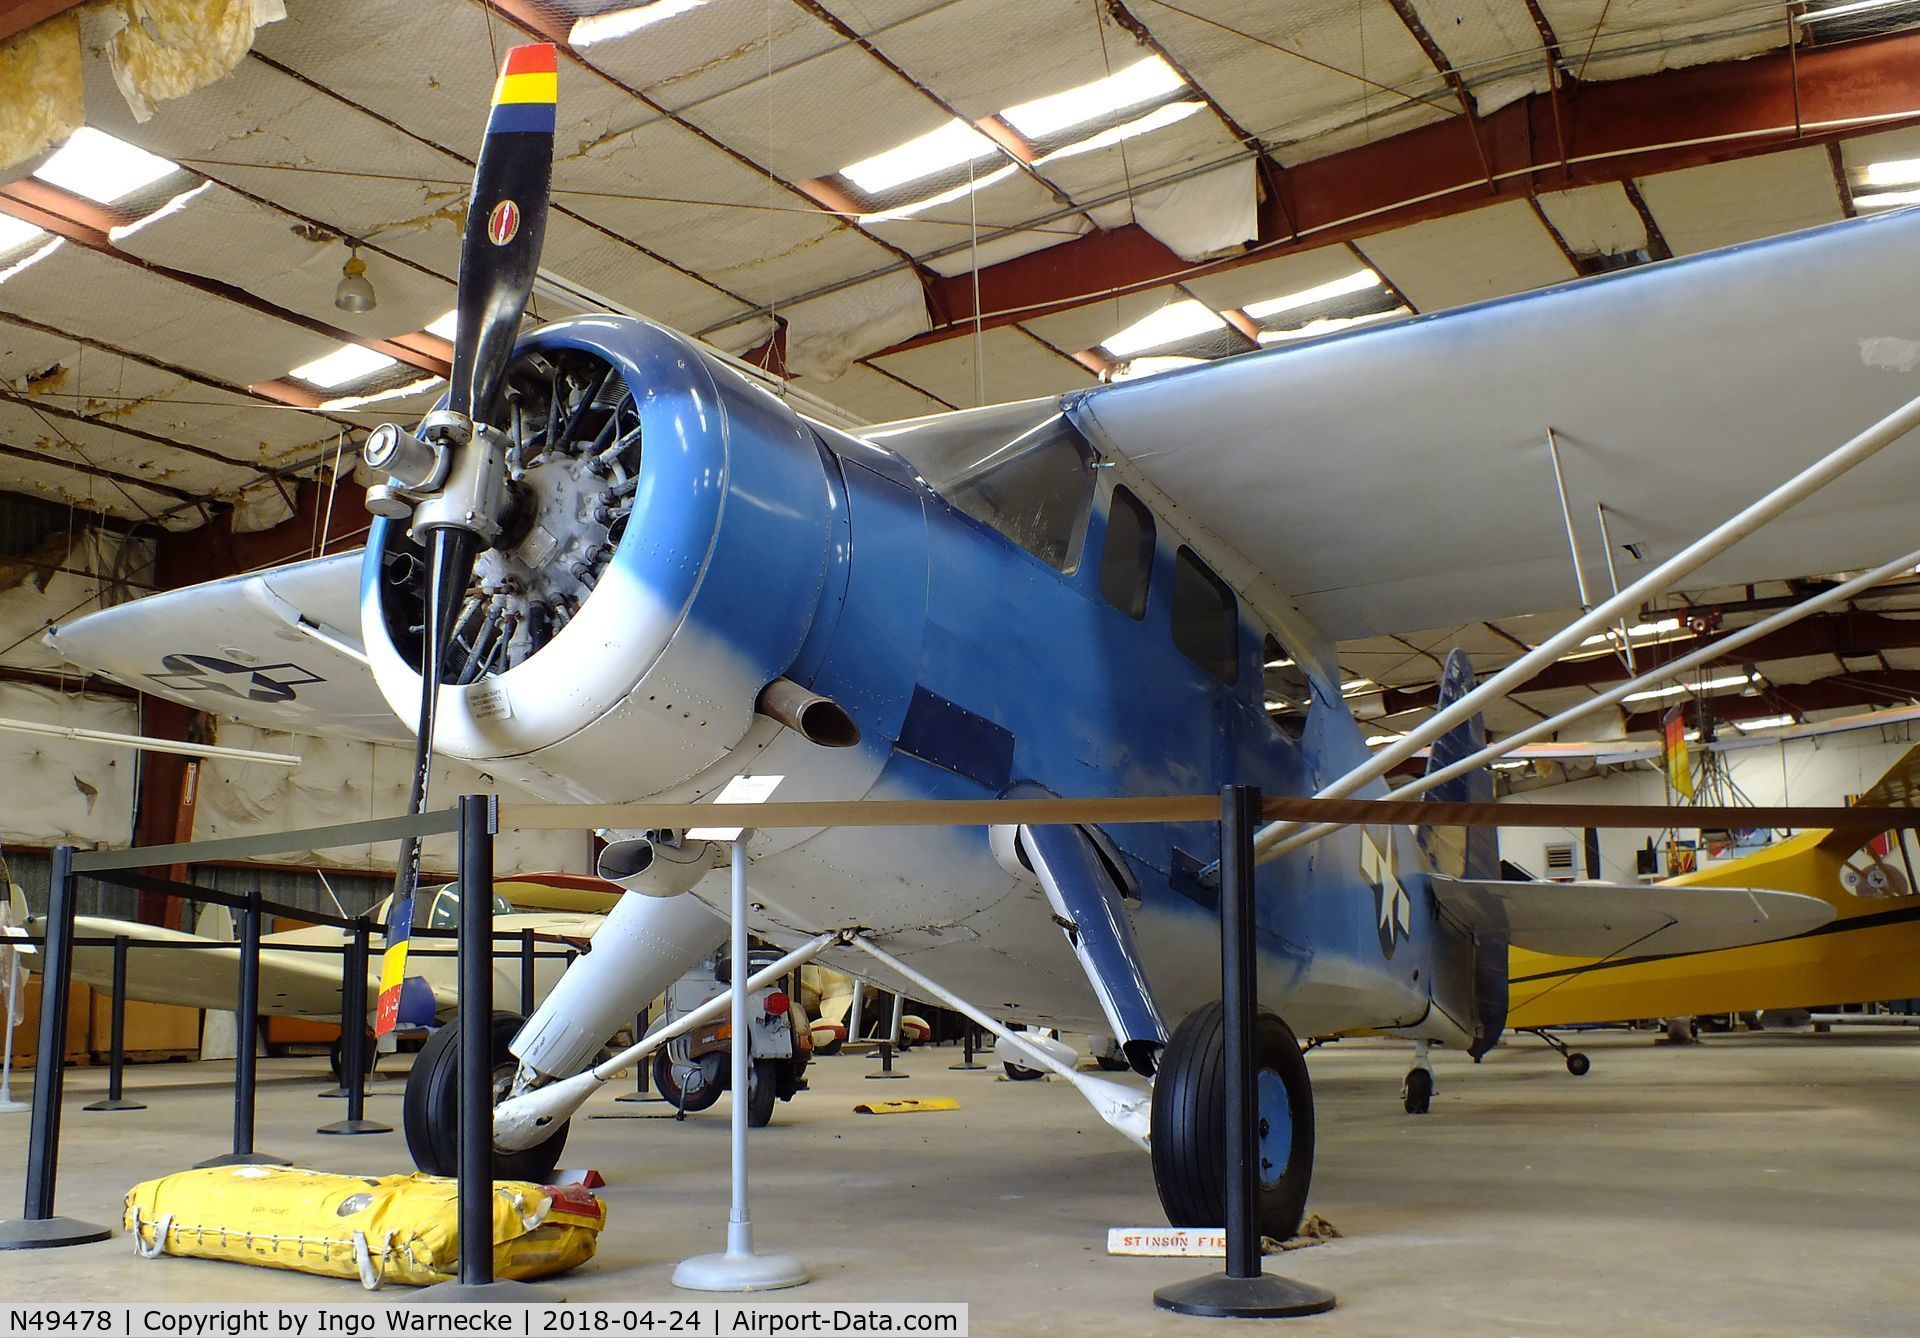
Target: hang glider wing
[279,649]
[1590,919]
[1397,477]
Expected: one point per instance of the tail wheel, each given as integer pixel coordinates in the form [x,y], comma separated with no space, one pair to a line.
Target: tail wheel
[337,1057]
[1019,1074]
[431,1107]
[763,1087]
[1189,1125]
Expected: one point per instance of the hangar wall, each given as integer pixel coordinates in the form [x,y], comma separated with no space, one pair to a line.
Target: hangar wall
[1815,771]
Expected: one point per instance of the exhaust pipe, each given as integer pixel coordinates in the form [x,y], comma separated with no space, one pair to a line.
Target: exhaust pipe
[814,718]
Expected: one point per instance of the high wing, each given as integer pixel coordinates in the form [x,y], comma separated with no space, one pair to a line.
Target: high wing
[279,648]
[1607,752]
[1592,919]
[1398,477]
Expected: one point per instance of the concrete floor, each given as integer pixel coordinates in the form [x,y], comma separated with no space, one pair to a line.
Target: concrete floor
[1756,1184]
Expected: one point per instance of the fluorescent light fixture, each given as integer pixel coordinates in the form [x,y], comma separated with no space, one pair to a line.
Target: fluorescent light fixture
[102,168]
[1675,689]
[1142,81]
[1357,282]
[954,143]
[1763,722]
[445,326]
[14,233]
[1375,740]
[944,197]
[1169,325]
[349,362]
[621,22]
[1890,199]
[419,387]
[1156,119]
[1511,766]
[1840,11]
[1279,664]
[741,789]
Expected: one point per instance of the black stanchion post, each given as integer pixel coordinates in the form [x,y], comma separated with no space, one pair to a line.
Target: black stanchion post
[38,1228]
[526,972]
[640,1090]
[1242,1291]
[245,1066]
[479,819]
[353,1038]
[967,1040]
[117,1052]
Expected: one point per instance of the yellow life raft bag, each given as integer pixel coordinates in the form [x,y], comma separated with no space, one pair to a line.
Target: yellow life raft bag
[395,1228]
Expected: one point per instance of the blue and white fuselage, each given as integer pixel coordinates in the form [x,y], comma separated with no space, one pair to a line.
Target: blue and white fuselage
[994,602]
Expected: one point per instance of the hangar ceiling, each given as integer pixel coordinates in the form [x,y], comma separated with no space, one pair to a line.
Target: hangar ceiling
[896,206]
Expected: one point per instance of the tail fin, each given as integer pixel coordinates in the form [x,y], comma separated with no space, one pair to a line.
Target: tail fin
[1472,852]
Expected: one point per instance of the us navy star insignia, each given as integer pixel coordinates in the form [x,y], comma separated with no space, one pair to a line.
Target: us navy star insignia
[1395,921]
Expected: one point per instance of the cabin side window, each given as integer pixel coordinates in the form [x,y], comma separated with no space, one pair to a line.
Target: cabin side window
[1126,563]
[1287,692]
[1034,484]
[1206,620]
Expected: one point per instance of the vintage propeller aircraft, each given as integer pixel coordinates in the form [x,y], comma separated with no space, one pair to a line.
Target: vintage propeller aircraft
[611,568]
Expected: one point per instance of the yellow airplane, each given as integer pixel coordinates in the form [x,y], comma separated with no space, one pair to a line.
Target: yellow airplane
[1869,951]
[296,981]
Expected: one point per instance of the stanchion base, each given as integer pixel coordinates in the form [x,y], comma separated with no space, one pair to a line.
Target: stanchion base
[640,1096]
[355,1127]
[241,1159]
[505,1291]
[965,1068]
[872,1076]
[45,1233]
[1263,1296]
[113,1104]
[15,1107]
[739,1273]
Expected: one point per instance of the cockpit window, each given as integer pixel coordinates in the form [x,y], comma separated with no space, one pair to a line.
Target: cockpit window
[1029,480]
[443,911]
[1288,694]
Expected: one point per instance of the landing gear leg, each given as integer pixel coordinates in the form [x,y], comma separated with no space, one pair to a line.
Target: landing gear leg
[1416,1094]
[1189,1124]
[1577,1063]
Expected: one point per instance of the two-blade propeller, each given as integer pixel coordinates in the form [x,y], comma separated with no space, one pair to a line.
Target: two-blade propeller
[451,479]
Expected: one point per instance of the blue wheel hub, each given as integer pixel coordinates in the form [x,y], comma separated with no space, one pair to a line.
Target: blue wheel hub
[1273,1132]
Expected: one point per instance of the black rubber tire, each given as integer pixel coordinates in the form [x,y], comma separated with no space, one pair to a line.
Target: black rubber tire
[832,1047]
[668,1086]
[337,1058]
[1113,1063]
[1418,1096]
[1578,1064]
[763,1089]
[1189,1124]
[430,1108]
[1019,1074]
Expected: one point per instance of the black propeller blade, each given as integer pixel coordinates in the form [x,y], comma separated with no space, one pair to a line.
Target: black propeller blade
[499,257]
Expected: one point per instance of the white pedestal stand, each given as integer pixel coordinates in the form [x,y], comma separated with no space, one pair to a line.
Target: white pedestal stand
[739,1269]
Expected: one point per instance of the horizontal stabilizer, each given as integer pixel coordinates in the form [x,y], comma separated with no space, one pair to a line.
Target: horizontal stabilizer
[1587,919]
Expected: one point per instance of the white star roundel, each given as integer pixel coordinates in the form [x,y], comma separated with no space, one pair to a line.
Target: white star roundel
[1395,907]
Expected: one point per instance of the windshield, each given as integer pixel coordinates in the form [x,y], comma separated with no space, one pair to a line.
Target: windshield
[443,911]
[1020,469]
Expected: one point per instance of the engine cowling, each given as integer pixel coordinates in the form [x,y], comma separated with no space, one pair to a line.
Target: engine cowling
[668,543]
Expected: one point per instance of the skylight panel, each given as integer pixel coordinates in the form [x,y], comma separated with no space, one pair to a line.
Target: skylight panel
[1763,722]
[1894,172]
[1157,119]
[349,362]
[1357,282]
[624,22]
[1169,325]
[411,388]
[14,233]
[1675,689]
[943,197]
[1332,325]
[952,144]
[1143,81]
[1887,199]
[101,168]
[446,325]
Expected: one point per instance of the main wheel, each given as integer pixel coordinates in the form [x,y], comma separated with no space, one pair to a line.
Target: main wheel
[1417,1095]
[691,1097]
[337,1058]
[1019,1074]
[1189,1125]
[763,1086]
[431,1107]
